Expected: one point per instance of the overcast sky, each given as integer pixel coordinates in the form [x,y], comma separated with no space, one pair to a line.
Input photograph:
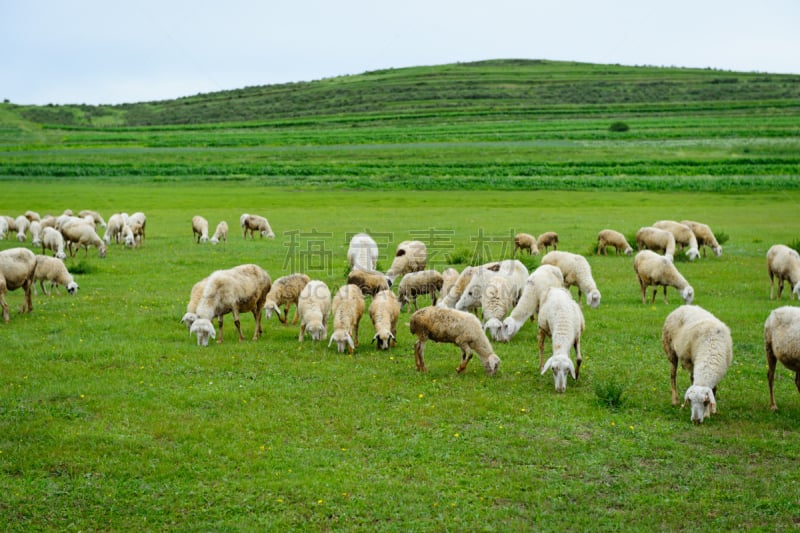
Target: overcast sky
[116,51]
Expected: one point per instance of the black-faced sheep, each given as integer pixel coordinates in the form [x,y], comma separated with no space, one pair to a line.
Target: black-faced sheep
[576,271]
[55,272]
[610,237]
[199,229]
[253,223]
[410,256]
[285,292]
[313,306]
[347,310]
[415,284]
[784,263]
[384,310]
[653,270]
[362,254]
[17,266]
[561,319]
[782,343]
[525,241]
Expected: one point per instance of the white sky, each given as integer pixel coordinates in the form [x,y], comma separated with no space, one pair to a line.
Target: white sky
[115,51]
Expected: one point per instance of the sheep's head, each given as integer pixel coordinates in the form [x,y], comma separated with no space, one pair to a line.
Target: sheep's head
[384,338]
[61,255]
[491,364]
[510,328]
[102,250]
[702,402]
[496,330]
[561,365]
[270,307]
[204,238]
[317,332]
[688,294]
[21,236]
[692,254]
[214,240]
[203,328]
[796,290]
[189,319]
[72,287]
[343,340]
[593,299]
[718,251]
[628,251]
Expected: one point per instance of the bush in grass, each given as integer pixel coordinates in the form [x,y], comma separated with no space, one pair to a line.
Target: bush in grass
[609,394]
[460,257]
[721,237]
[618,126]
[82,267]
[794,245]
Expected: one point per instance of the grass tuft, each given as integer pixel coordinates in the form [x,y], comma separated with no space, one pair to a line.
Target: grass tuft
[610,393]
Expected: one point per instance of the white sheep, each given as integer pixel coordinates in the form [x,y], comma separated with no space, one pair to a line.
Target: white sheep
[650,238]
[547,239]
[138,224]
[655,270]
[456,327]
[784,263]
[684,237]
[83,235]
[347,310]
[53,240]
[369,281]
[199,229]
[449,277]
[240,289]
[527,307]
[610,237]
[525,241]
[48,221]
[22,224]
[453,294]
[561,319]
[313,306]
[32,215]
[114,228]
[55,272]
[95,216]
[36,233]
[512,269]
[3,228]
[17,266]
[702,345]
[705,237]
[253,223]
[415,284]
[410,256]
[576,271]
[221,233]
[496,301]
[384,310]
[194,298]
[362,254]
[285,292]
[782,343]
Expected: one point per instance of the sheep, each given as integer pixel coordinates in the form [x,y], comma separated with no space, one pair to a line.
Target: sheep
[194,298]
[138,223]
[199,229]
[453,294]
[576,271]
[116,222]
[221,233]
[512,269]
[53,240]
[782,343]
[654,270]
[496,301]
[83,235]
[94,215]
[683,236]
[55,272]
[410,256]
[347,310]
[384,310]
[253,223]
[561,319]
[22,224]
[456,327]
[547,239]
[48,221]
[705,237]
[784,263]
[610,237]
[32,215]
[525,241]
[236,290]
[650,238]
[369,281]
[36,233]
[536,286]
[362,254]
[313,306]
[449,277]
[702,344]
[17,266]
[285,292]
[3,228]
[414,284]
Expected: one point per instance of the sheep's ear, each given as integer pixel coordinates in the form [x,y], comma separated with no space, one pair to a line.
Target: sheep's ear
[350,342]
[277,310]
[547,365]
[391,336]
[572,369]
[330,341]
[374,337]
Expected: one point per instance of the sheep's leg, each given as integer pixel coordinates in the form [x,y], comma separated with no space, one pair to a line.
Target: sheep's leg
[665,296]
[219,323]
[296,314]
[643,287]
[540,340]
[27,304]
[771,362]
[466,357]
[238,324]
[419,353]
[780,287]
[578,358]
[655,292]
[355,335]
[257,317]
[302,332]
[3,303]
[285,318]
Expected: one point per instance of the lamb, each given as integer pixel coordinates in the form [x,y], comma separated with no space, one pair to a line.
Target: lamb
[83,235]
[199,229]
[114,228]
[610,237]
[221,233]
[94,215]
[36,233]
[782,343]
[656,239]
[55,272]
[705,237]
[514,270]
[22,224]
[453,294]
[369,281]
[547,239]
[561,319]
[194,298]
[53,240]
[702,344]
[654,270]
[496,301]
[414,284]
[17,266]
[784,263]
[683,236]
[313,306]
[525,241]
[237,290]
[362,253]
[384,310]
[576,271]
[348,308]
[456,327]
[253,223]
[410,256]
[285,292]
[536,286]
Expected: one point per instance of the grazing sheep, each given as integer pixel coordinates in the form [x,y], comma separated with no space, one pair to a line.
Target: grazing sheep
[253,223]
[702,344]
[313,306]
[237,290]
[347,310]
[55,272]
[17,266]
[221,233]
[547,239]
[782,343]
[456,327]
[84,236]
[384,310]
[3,228]
[94,215]
[576,271]
[684,237]
[32,215]
[53,240]
[453,294]
[36,233]
[138,223]
[610,237]
[525,241]
[561,319]
[369,281]
[514,270]
[705,237]
[199,229]
[449,277]
[285,292]
[655,270]
[22,224]
[116,223]
[362,254]
[784,263]
[410,256]
[414,284]
[496,301]
[194,298]
[48,221]
[650,238]
[536,286]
